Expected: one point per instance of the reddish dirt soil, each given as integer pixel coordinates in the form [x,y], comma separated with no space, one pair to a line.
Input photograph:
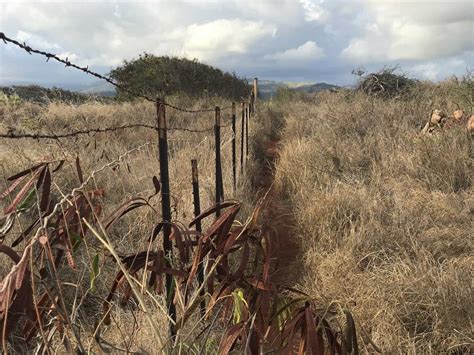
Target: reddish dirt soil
[279,221]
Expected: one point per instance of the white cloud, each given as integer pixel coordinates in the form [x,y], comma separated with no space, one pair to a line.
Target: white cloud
[313,10]
[237,34]
[219,38]
[36,41]
[434,70]
[412,31]
[306,52]
[72,57]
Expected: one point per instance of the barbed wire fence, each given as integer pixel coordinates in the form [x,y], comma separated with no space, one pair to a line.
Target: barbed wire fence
[161,127]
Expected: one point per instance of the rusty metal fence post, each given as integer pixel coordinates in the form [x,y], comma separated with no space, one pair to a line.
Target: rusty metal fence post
[197,212]
[234,160]
[242,140]
[219,181]
[166,208]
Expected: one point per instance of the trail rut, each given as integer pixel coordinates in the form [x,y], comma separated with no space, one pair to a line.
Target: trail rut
[278,219]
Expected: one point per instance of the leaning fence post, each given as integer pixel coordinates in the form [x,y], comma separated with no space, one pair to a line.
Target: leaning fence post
[165,208]
[234,163]
[219,181]
[197,212]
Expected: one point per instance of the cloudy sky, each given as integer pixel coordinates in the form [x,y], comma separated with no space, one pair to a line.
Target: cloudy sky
[290,40]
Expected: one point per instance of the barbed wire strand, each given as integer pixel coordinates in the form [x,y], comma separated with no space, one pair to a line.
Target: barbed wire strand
[12,135]
[86,70]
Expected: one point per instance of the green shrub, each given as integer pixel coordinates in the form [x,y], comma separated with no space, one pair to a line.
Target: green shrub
[163,76]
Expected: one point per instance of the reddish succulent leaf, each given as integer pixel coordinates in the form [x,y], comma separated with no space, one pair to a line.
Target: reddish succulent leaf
[334,347]
[350,340]
[302,345]
[178,237]
[12,187]
[230,242]
[123,209]
[24,190]
[259,284]
[26,172]
[222,291]
[15,290]
[292,289]
[156,275]
[46,190]
[140,261]
[230,337]
[254,343]
[314,337]
[212,210]
[59,166]
[292,324]
[40,179]
[264,301]
[222,225]
[244,260]
[157,184]
[11,253]
[156,230]
[197,260]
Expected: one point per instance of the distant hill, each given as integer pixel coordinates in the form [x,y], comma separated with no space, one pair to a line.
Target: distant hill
[268,88]
[100,88]
[313,88]
[40,94]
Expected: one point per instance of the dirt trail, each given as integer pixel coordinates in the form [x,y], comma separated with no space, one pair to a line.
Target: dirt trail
[278,220]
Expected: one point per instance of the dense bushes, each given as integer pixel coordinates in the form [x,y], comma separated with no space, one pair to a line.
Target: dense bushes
[44,95]
[162,76]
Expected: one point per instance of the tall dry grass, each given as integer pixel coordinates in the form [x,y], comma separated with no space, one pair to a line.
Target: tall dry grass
[122,181]
[384,216]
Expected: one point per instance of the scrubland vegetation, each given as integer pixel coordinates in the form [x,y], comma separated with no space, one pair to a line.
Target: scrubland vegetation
[127,178]
[384,215]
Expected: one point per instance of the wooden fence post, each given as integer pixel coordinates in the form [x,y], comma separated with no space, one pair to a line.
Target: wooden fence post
[242,140]
[234,162]
[219,181]
[166,208]
[197,212]
[255,93]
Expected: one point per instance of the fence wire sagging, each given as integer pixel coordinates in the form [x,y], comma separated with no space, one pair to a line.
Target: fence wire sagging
[161,127]
[86,70]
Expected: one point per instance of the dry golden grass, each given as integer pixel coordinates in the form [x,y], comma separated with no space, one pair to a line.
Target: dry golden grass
[384,216]
[132,177]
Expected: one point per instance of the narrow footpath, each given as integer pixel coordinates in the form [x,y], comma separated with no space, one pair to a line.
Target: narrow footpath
[278,219]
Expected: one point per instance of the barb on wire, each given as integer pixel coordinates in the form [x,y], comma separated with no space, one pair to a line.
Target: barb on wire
[13,135]
[210,129]
[86,70]
[190,129]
